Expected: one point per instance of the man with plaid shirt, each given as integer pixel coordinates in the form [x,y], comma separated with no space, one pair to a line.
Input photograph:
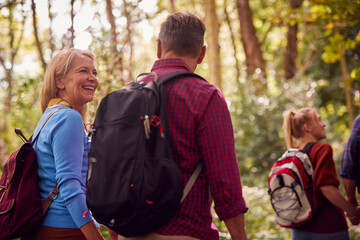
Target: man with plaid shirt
[200,130]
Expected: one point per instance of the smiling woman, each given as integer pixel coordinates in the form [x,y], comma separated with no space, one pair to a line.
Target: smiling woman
[78,85]
[62,146]
[73,78]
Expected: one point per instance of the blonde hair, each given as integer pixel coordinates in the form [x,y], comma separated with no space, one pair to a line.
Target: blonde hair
[59,67]
[293,125]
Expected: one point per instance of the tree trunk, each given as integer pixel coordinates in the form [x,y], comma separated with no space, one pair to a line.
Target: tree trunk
[237,62]
[291,48]
[345,75]
[291,52]
[71,30]
[172,6]
[51,36]
[114,67]
[37,40]
[129,41]
[227,19]
[111,19]
[213,49]
[254,60]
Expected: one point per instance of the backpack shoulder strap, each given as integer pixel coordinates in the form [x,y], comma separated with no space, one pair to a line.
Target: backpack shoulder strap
[45,203]
[308,147]
[174,75]
[191,181]
[48,117]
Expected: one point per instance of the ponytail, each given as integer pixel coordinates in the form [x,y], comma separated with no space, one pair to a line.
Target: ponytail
[287,127]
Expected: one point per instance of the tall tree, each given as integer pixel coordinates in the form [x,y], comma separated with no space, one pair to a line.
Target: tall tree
[111,18]
[252,48]
[115,66]
[235,52]
[212,36]
[228,22]
[71,29]
[129,39]
[68,38]
[291,47]
[172,6]
[347,89]
[36,35]
[51,36]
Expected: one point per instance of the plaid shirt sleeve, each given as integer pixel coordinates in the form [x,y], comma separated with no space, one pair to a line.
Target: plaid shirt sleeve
[351,156]
[216,142]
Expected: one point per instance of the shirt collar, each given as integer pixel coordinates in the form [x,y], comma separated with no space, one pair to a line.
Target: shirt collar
[170,62]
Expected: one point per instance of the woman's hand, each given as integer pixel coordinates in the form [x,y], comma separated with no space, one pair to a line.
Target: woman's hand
[354,216]
[334,196]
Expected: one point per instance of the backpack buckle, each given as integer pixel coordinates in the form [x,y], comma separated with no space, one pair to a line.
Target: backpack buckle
[51,197]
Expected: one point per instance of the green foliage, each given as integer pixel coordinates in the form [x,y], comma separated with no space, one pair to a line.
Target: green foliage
[257,121]
[355,74]
[104,232]
[25,111]
[341,23]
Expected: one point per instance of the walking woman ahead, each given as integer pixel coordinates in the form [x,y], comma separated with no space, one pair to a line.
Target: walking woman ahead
[300,128]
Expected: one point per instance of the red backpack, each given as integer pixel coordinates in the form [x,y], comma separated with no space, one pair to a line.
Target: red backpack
[21,208]
[291,188]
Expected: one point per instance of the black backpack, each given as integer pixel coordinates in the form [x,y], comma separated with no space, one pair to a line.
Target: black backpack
[133,183]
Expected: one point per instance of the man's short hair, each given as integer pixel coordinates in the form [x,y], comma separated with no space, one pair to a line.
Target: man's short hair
[182,33]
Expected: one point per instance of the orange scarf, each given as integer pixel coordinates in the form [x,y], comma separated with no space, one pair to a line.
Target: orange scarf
[58,102]
[61,102]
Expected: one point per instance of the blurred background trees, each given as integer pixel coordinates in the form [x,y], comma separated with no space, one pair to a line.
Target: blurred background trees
[265,55]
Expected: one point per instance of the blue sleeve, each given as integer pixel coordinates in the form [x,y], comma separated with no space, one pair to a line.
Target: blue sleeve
[351,155]
[68,148]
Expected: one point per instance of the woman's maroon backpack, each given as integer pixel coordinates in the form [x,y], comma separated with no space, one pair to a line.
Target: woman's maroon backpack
[21,208]
[20,203]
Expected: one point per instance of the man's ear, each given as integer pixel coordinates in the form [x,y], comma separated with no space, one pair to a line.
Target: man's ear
[59,82]
[158,49]
[202,55]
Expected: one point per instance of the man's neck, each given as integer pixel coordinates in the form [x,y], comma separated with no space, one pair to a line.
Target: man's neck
[190,61]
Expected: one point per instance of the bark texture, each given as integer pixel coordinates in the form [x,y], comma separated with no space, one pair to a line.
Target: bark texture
[213,48]
[254,61]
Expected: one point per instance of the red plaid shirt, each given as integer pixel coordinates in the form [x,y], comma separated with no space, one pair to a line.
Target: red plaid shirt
[201,130]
